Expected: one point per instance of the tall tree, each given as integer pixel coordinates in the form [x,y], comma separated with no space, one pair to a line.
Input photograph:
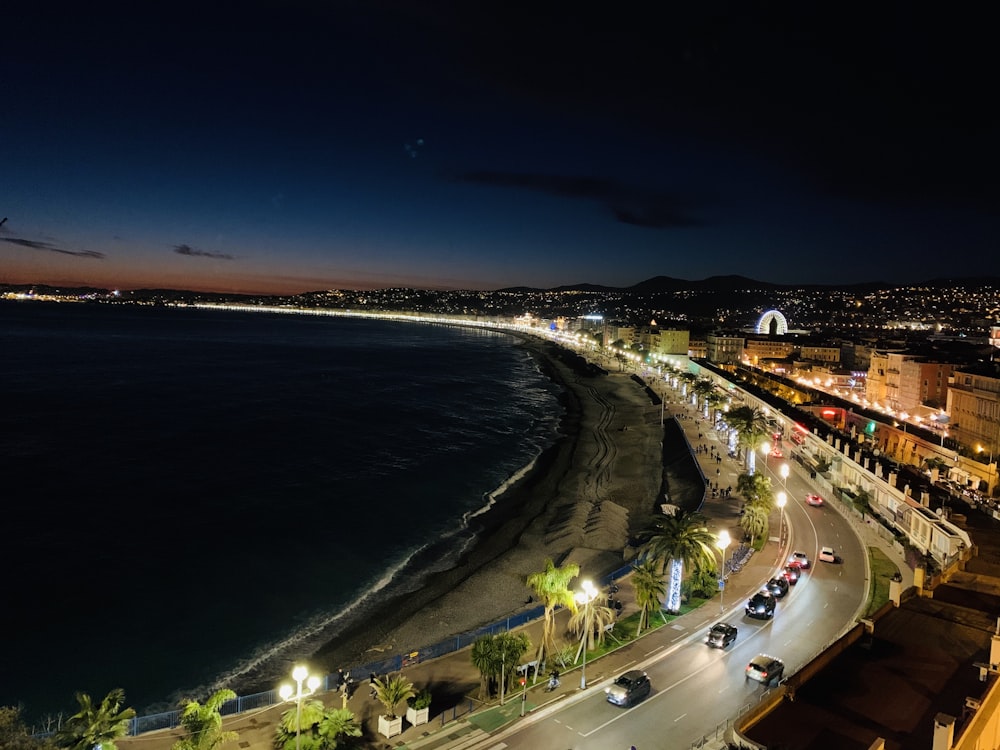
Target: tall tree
[551,587]
[754,522]
[497,658]
[678,541]
[591,621]
[752,426]
[96,725]
[202,723]
[649,591]
[703,388]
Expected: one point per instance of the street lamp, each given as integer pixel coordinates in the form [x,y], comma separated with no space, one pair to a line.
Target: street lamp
[585,597]
[784,476]
[722,543]
[782,500]
[300,674]
[765,447]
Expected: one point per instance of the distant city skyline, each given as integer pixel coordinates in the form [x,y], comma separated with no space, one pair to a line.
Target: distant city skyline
[289,148]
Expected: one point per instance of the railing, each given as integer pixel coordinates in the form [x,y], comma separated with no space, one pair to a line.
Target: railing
[241,703]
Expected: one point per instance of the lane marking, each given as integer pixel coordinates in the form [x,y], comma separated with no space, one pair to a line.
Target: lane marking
[679,718]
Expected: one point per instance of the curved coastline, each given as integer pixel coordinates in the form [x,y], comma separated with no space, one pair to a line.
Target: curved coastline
[524,525]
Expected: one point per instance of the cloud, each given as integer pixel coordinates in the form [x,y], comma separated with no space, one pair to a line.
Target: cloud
[188,250]
[628,204]
[36,245]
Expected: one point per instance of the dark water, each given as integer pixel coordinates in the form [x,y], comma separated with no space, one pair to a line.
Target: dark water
[186,490]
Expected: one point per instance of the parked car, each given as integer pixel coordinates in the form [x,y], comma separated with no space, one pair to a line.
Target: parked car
[778,587]
[799,557]
[776,452]
[721,635]
[628,689]
[826,554]
[765,669]
[761,605]
[791,573]
[814,500]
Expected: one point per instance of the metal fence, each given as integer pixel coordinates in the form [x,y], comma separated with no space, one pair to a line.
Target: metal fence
[241,703]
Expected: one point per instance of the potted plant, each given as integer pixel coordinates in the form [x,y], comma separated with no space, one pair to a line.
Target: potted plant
[418,708]
[390,691]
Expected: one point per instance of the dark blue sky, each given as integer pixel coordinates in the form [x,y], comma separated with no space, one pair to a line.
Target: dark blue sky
[289,147]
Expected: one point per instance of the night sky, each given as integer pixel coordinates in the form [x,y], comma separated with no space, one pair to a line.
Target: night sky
[287,147]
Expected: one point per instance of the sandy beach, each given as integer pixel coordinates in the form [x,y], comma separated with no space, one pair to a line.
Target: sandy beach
[584,499]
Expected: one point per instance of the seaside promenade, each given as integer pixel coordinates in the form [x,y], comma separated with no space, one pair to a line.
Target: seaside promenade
[468,724]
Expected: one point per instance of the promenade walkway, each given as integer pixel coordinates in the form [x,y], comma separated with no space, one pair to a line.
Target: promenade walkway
[467,724]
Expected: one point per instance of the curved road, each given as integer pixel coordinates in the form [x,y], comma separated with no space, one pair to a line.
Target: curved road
[696,689]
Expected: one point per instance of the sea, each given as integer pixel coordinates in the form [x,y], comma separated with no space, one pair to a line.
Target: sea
[191,495]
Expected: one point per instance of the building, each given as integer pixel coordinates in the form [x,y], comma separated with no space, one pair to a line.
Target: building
[724,348]
[974,407]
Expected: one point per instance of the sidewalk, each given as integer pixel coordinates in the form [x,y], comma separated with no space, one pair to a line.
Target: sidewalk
[460,722]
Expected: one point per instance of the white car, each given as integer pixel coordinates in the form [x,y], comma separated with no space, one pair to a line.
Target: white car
[826,554]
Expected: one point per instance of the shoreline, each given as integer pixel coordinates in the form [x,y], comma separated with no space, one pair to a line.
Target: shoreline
[584,499]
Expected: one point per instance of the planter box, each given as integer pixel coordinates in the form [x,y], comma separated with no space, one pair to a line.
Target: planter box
[417,716]
[390,727]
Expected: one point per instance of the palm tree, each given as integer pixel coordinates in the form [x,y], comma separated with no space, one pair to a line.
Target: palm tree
[754,522]
[551,587]
[753,427]
[715,400]
[94,726]
[337,724]
[390,691]
[756,490]
[688,378]
[591,621]
[484,659]
[649,591]
[704,387]
[319,728]
[681,539]
[203,723]
[497,658]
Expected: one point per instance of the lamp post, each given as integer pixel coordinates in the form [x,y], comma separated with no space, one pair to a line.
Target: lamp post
[300,674]
[722,543]
[585,597]
[782,500]
[784,476]
[765,448]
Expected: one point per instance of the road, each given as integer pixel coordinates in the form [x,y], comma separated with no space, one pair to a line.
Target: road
[697,690]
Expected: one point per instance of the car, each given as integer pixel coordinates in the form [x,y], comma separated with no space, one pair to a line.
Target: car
[826,554]
[628,689]
[801,558]
[778,587]
[721,635]
[765,669]
[776,452]
[814,500]
[761,605]
[791,573]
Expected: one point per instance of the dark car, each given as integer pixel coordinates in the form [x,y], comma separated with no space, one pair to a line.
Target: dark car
[761,605]
[628,689]
[721,635]
[778,587]
[765,669]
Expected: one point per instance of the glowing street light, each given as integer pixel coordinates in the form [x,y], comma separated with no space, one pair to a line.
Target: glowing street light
[765,448]
[300,674]
[722,543]
[585,597]
[784,476]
